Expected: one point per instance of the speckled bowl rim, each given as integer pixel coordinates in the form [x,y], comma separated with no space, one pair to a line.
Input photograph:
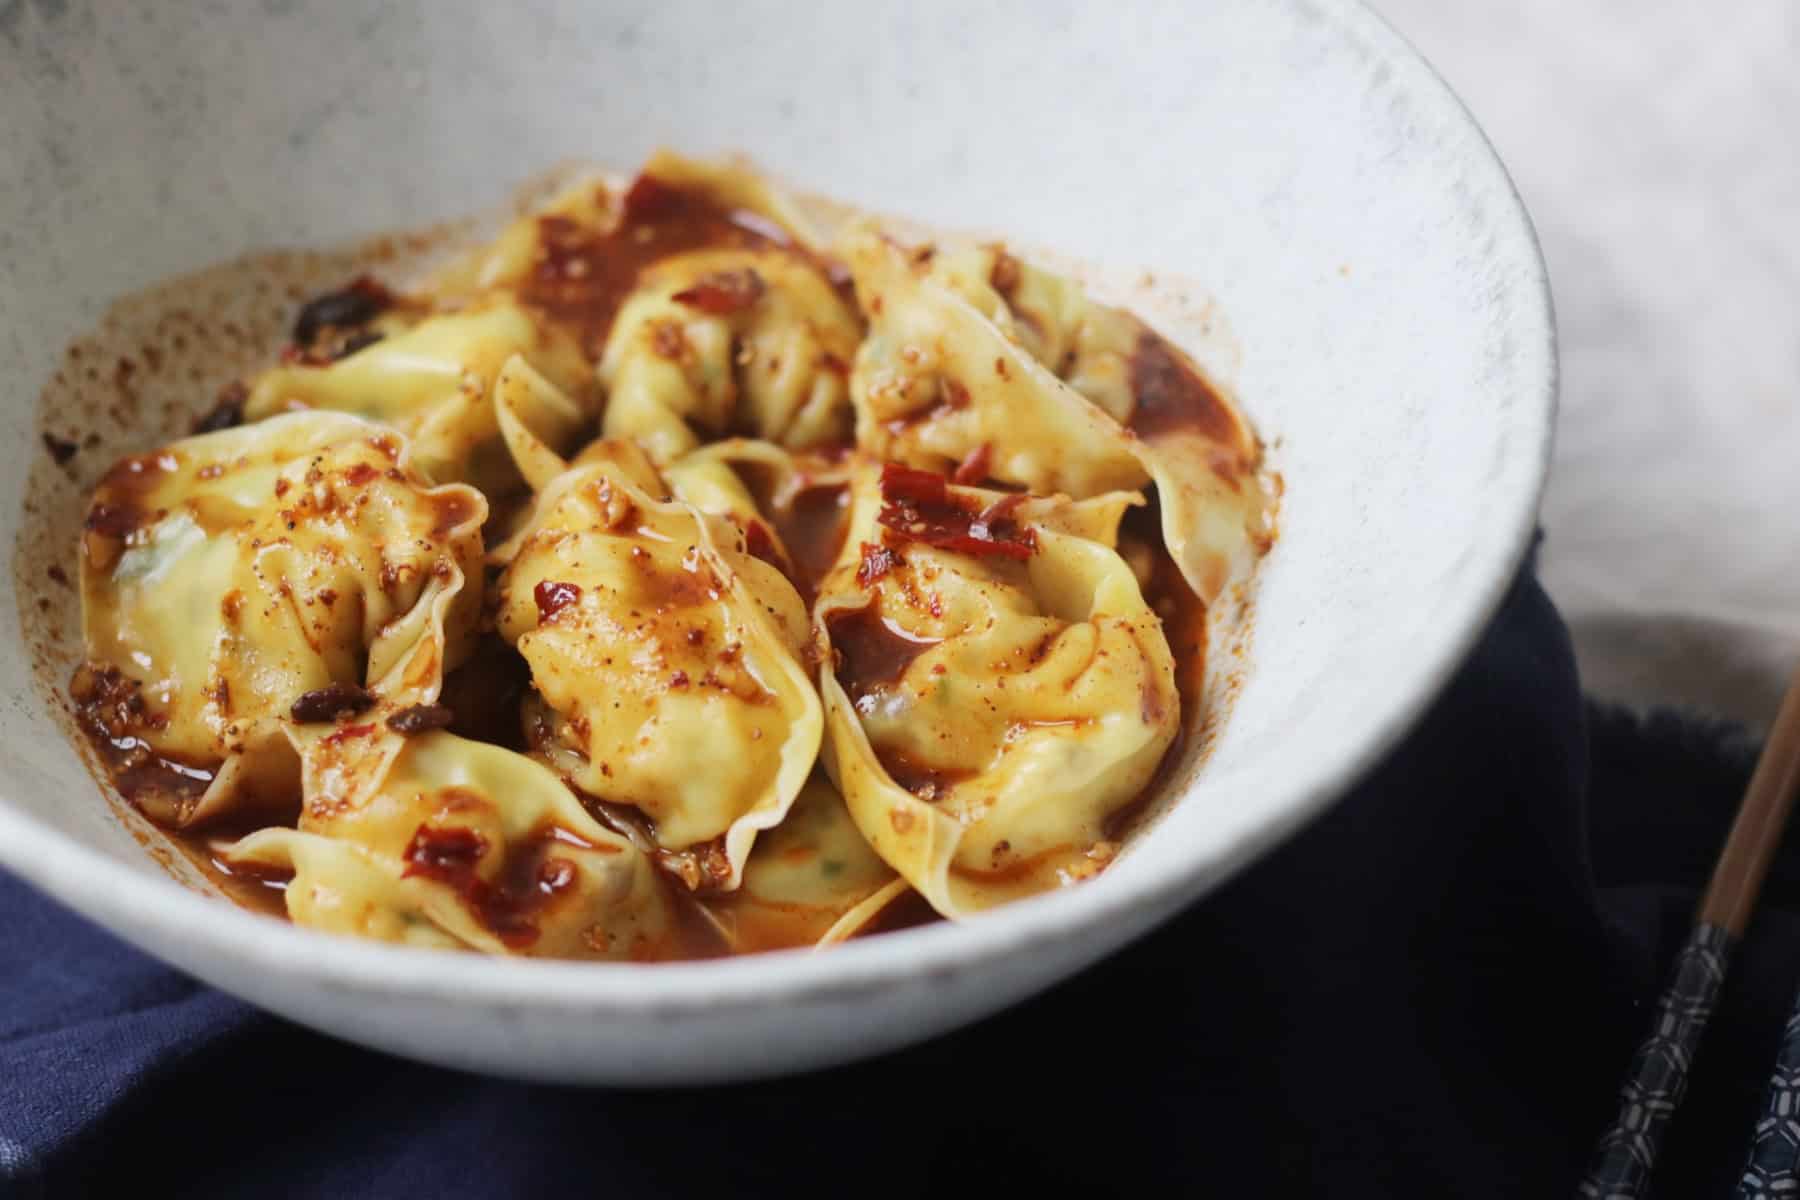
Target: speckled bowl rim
[92,883]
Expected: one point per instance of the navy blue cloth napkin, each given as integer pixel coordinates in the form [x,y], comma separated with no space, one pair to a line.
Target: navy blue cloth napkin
[1433,991]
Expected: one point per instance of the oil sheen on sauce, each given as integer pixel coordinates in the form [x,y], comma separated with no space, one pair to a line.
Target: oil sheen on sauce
[582,275]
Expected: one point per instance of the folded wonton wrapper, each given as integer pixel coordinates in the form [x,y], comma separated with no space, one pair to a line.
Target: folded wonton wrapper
[434,382]
[810,881]
[436,840]
[715,341]
[951,365]
[590,207]
[995,693]
[232,572]
[668,662]
[706,478]
[988,714]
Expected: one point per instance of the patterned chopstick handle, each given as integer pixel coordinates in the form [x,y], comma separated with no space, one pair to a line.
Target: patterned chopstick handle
[1774,1167]
[1626,1154]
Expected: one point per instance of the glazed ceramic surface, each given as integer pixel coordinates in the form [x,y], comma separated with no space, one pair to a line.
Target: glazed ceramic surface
[1367,283]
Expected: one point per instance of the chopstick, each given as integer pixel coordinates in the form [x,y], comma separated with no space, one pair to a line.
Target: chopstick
[1625,1155]
[1774,1157]
[1773,1166]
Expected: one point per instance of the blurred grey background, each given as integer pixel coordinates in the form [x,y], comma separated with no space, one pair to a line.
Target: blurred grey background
[1657,145]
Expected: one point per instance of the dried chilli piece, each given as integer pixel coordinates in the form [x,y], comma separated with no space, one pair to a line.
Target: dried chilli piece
[877,561]
[420,718]
[920,507]
[360,301]
[908,483]
[974,467]
[227,411]
[330,702]
[552,597]
[723,293]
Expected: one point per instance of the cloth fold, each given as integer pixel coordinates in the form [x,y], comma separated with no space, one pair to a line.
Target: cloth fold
[1432,990]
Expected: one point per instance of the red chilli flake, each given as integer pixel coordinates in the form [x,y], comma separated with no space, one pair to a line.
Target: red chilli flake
[904,483]
[723,293]
[877,561]
[998,513]
[347,732]
[921,508]
[974,468]
[552,597]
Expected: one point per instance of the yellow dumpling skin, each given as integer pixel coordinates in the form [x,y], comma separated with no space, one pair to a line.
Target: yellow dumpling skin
[723,341]
[667,661]
[996,686]
[227,576]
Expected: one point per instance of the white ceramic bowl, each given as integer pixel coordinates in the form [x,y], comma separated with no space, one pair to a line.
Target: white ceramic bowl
[1386,305]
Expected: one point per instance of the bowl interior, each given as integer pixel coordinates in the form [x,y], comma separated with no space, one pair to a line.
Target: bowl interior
[1357,268]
